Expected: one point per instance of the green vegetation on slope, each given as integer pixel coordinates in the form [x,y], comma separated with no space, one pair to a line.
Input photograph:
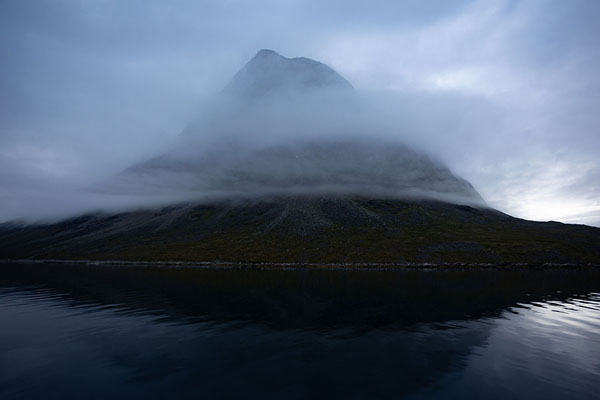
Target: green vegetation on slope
[304,229]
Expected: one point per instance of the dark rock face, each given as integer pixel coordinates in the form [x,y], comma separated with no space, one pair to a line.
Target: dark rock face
[312,167]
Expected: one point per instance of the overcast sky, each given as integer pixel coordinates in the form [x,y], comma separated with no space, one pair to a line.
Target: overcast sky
[507,93]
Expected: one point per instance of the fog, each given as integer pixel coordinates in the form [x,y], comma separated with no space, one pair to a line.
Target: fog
[503,93]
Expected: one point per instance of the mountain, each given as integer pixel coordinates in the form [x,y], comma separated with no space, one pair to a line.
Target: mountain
[279,171]
[272,138]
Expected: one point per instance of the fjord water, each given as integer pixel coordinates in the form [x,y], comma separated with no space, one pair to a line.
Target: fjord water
[82,331]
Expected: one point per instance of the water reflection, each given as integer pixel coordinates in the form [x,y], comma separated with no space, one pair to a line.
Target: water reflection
[131,332]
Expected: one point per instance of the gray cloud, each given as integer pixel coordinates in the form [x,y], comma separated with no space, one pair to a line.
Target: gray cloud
[504,92]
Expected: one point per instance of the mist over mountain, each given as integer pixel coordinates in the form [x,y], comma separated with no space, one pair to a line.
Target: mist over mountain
[291,126]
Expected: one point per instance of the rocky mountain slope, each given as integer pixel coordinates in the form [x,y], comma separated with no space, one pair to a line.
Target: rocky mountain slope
[307,229]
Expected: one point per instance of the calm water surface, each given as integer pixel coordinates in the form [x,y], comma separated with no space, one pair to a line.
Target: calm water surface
[147,332]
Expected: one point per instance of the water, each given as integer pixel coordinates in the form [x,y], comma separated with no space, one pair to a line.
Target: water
[144,332]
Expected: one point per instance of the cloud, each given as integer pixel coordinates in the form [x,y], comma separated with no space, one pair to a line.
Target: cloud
[534,63]
[504,92]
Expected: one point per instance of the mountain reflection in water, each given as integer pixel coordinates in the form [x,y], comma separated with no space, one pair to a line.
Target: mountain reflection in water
[74,331]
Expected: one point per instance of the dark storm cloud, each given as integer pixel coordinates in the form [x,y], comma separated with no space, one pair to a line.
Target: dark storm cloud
[505,92]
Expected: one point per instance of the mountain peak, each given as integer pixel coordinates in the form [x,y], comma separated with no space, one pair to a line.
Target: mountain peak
[268,72]
[265,53]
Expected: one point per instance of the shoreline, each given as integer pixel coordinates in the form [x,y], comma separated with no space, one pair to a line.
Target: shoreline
[366,266]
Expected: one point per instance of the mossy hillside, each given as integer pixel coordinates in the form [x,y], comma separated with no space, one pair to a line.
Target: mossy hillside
[313,230]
